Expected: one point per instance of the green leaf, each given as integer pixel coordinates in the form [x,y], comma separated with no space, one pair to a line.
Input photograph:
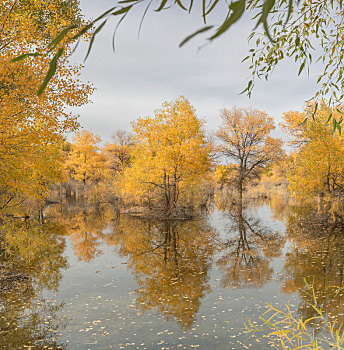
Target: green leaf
[202,30]
[267,7]
[99,28]
[267,32]
[249,85]
[142,18]
[90,25]
[301,67]
[304,121]
[122,10]
[25,55]
[211,8]
[236,10]
[162,5]
[290,10]
[181,5]
[334,127]
[329,118]
[51,71]
[115,31]
[315,110]
[191,5]
[83,31]
[104,14]
[60,36]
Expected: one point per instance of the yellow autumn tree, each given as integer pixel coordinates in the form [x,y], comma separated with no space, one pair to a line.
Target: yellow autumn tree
[225,174]
[85,163]
[34,128]
[245,140]
[170,157]
[118,152]
[317,163]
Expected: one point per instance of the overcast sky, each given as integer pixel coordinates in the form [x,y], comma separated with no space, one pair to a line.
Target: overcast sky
[144,72]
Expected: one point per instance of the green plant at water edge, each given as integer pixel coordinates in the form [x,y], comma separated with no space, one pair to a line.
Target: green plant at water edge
[285,330]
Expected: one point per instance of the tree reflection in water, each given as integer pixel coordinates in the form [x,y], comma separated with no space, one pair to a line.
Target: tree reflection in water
[170,261]
[85,226]
[35,251]
[246,249]
[317,256]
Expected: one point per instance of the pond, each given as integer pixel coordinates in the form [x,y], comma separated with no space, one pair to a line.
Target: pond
[103,281]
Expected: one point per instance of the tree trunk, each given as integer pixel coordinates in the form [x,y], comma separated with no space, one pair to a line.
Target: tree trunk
[240,190]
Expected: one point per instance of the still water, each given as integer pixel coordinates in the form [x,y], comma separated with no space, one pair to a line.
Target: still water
[101,281]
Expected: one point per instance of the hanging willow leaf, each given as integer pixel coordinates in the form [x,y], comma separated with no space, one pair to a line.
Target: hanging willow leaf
[162,5]
[315,110]
[82,31]
[267,7]
[191,5]
[99,28]
[60,36]
[25,55]
[142,18]
[122,10]
[115,31]
[339,127]
[51,71]
[203,10]
[104,14]
[127,1]
[236,10]
[301,67]
[329,118]
[202,30]
[181,5]
[334,127]
[211,8]
[290,10]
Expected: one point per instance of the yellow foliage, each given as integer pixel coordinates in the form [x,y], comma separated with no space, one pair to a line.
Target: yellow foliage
[118,153]
[225,174]
[317,163]
[170,155]
[246,140]
[32,128]
[85,162]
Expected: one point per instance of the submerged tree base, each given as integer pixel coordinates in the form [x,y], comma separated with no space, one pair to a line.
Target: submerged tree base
[181,213]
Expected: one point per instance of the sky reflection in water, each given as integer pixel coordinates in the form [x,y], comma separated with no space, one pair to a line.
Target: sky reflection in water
[128,283]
